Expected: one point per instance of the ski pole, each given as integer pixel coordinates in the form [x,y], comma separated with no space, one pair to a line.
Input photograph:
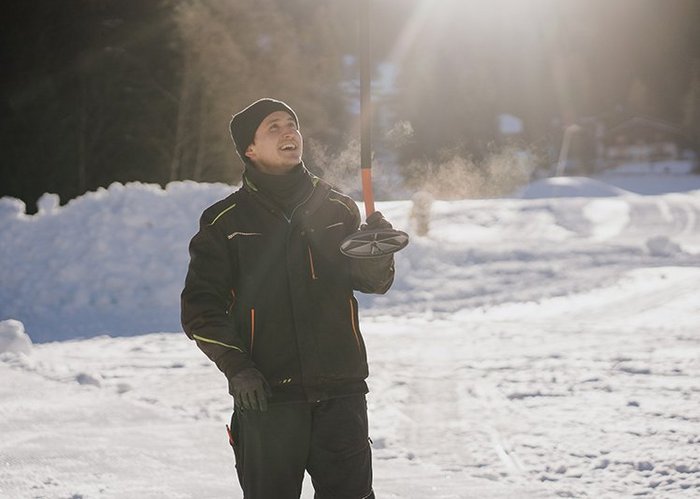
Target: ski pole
[366,107]
[369,243]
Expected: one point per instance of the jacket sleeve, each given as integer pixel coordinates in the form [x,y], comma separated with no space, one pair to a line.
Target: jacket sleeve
[370,275]
[207,298]
[228,360]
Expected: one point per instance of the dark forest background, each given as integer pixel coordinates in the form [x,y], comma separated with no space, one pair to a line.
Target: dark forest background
[97,91]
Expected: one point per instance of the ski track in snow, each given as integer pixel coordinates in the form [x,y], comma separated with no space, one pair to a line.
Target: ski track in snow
[556,410]
[529,349]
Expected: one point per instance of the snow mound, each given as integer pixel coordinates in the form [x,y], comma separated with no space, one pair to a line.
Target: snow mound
[10,208]
[48,203]
[558,187]
[13,339]
[111,261]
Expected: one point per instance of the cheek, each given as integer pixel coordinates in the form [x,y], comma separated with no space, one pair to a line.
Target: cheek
[268,146]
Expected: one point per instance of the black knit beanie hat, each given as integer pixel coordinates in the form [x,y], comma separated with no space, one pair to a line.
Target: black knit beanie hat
[245,123]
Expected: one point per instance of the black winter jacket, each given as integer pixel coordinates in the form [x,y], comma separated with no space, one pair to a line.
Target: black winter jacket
[274,292]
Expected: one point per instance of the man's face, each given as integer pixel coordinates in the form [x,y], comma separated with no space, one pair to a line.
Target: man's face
[277,145]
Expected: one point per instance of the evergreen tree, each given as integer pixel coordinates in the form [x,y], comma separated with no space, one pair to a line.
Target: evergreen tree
[236,52]
[84,101]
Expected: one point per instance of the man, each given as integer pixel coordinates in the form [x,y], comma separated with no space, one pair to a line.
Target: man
[269,298]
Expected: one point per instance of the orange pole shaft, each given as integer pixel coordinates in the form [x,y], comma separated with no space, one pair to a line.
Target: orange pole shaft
[366,107]
[367,191]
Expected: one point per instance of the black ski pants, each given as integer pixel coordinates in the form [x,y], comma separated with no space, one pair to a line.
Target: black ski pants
[329,439]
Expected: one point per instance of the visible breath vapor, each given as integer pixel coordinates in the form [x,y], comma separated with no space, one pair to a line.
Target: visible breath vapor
[341,170]
[400,134]
[458,177]
[452,177]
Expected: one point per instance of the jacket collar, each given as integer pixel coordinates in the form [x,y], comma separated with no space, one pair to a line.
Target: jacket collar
[307,207]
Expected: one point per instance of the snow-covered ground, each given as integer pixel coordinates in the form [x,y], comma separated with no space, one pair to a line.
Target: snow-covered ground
[545,345]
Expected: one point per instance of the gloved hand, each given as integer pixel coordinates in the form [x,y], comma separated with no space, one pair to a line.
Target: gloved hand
[249,389]
[376,221]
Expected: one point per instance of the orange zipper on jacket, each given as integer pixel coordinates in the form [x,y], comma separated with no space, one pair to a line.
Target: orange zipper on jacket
[354,326]
[311,264]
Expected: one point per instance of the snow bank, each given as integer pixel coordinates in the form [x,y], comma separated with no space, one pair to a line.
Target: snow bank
[113,261]
[13,339]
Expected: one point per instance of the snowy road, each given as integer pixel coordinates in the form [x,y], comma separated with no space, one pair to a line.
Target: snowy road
[551,408]
[459,408]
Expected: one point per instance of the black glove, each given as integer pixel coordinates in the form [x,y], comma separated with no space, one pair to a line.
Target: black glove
[376,221]
[249,389]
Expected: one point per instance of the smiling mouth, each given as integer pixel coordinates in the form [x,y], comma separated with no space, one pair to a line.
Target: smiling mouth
[289,147]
